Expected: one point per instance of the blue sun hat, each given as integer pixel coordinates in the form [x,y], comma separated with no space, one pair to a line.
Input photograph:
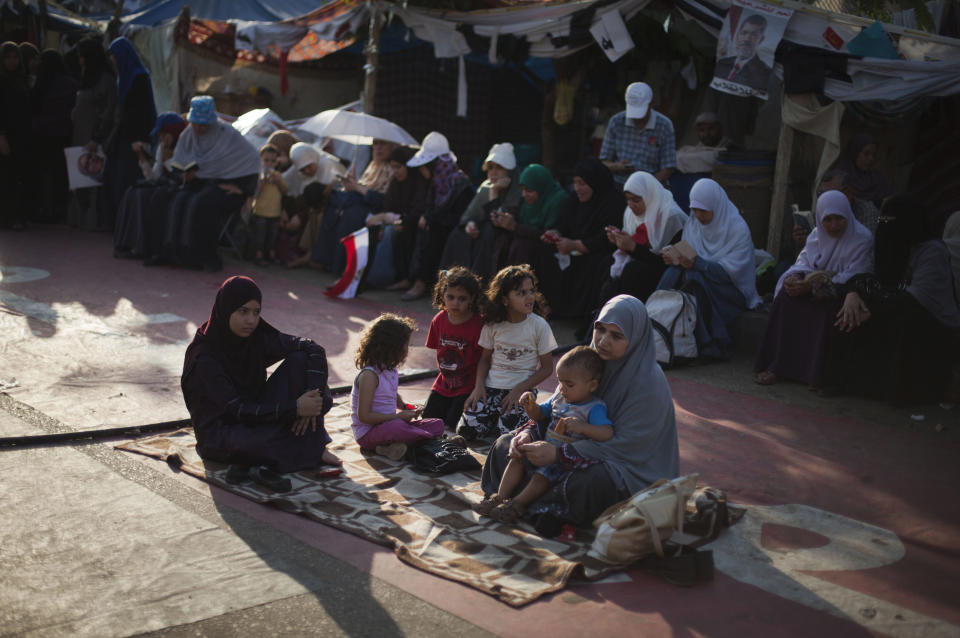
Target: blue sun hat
[202,110]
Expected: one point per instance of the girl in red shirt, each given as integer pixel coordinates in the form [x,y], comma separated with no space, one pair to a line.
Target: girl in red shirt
[454,334]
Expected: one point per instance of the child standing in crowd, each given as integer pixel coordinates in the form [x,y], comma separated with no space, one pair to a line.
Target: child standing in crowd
[573,413]
[267,206]
[517,342]
[381,420]
[454,334]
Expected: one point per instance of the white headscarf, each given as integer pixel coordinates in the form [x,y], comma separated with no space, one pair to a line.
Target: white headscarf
[328,167]
[663,217]
[220,153]
[847,255]
[644,444]
[725,240]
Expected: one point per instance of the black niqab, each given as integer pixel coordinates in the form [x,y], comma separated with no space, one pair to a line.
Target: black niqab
[603,208]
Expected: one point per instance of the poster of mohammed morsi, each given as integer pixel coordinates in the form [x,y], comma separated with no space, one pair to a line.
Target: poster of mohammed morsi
[748,38]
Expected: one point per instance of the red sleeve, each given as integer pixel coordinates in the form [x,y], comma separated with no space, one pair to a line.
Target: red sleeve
[433,336]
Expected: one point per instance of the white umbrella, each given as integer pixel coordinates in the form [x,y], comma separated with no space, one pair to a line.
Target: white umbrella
[356,128]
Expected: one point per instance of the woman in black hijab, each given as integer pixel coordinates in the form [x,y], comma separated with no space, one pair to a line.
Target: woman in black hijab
[577,254]
[241,417]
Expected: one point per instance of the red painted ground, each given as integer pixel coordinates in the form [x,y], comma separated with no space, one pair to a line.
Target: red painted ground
[761,452]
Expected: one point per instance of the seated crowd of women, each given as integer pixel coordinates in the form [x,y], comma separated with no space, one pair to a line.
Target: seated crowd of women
[864,313]
[834,310]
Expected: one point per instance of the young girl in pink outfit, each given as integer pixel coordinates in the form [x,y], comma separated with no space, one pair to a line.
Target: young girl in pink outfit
[382,421]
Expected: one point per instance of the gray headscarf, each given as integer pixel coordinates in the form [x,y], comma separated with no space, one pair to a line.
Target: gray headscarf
[221,152]
[644,445]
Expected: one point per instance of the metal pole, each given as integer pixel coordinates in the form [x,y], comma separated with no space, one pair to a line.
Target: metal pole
[781,176]
[373,59]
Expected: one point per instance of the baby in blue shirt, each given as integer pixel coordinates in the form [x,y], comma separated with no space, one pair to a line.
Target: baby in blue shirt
[573,414]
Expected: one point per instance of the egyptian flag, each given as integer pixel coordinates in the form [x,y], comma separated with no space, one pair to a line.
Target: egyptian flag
[357,246]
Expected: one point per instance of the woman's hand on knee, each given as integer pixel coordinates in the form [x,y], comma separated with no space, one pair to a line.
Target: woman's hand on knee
[853,313]
[539,453]
[300,425]
[310,404]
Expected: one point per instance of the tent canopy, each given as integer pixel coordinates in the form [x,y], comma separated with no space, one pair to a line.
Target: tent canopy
[222,10]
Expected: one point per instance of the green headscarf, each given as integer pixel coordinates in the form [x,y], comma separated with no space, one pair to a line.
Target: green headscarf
[543,214]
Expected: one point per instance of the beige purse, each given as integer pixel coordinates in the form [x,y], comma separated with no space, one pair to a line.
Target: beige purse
[639,526]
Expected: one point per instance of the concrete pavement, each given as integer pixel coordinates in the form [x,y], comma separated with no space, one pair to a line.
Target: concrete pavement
[851,532]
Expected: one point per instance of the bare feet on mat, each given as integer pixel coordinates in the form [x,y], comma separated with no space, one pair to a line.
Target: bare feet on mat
[393,451]
[329,458]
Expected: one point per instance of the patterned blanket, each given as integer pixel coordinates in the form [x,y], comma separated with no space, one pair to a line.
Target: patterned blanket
[427,520]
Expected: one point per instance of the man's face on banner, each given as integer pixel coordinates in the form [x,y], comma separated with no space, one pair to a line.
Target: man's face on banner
[749,38]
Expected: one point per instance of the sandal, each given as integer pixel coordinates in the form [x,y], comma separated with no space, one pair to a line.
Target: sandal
[766,377]
[488,503]
[507,512]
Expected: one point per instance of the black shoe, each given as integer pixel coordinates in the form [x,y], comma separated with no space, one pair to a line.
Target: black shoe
[270,479]
[237,474]
[155,260]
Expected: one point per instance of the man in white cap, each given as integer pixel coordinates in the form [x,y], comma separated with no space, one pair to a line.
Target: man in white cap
[702,157]
[639,138]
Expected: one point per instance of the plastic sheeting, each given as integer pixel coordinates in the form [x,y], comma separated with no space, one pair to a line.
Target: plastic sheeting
[875,79]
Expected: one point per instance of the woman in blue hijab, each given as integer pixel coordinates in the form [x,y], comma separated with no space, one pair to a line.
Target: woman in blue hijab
[136,115]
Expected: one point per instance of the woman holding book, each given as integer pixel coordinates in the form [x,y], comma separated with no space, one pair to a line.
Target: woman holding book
[218,169]
[713,262]
[812,294]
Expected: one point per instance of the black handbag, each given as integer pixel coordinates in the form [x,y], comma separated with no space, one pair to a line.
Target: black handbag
[439,456]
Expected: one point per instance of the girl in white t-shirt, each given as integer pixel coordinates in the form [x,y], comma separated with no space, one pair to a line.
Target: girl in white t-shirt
[517,344]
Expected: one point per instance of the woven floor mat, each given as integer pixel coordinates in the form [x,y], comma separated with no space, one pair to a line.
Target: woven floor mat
[427,519]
